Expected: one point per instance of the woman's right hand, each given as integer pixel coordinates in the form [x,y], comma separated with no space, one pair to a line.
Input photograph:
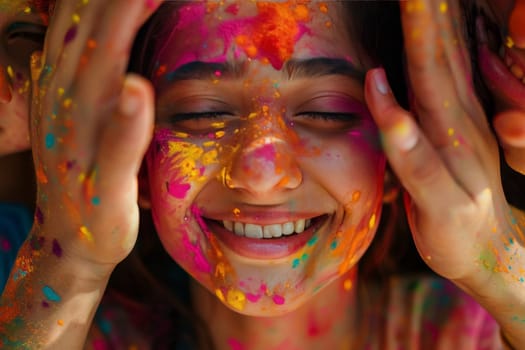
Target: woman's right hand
[90,127]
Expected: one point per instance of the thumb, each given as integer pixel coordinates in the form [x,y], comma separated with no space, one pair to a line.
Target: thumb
[127,134]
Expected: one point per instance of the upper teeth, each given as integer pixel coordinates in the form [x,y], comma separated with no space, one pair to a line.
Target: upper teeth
[267,231]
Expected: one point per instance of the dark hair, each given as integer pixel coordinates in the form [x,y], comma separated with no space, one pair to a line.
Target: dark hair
[375,26]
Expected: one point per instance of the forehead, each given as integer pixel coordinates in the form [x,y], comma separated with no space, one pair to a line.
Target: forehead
[267,32]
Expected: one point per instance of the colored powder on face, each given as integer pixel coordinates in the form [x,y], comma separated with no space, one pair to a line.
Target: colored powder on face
[270,35]
[177,189]
[235,344]
[236,299]
[70,34]
[275,31]
[253,298]
[295,263]
[50,294]
[266,152]
[233,9]
[312,241]
[57,249]
[199,259]
[50,141]
[278,299]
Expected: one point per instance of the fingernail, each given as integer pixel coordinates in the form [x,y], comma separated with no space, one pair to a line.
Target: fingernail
[381,82]
[403,135]
[129,102]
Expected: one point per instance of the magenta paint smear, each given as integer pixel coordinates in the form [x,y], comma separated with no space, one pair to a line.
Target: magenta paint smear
[253,297]
[199,259]
[266,152]
[70,34]
[178,189]
[269,36]
[278,299]
[235,344]
[56,249]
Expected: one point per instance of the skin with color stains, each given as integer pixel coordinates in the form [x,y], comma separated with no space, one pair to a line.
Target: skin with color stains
[248,124]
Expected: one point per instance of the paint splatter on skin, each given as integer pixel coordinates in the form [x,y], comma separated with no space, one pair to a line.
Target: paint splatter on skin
[50,294]
[178,150]
[278,299]
[177,189]
[57,249]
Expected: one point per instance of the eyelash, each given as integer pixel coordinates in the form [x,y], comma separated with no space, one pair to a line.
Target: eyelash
[201,115]
[26,31]
[332,116]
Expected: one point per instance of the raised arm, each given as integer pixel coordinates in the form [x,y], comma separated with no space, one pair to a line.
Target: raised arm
[448,162]
[90,127]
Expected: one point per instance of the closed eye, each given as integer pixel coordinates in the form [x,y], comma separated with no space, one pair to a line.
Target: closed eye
[330,115]
[21,39]
[212,115]
[329,120]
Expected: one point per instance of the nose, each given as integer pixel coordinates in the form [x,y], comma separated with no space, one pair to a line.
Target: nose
[264,165]
[5,86]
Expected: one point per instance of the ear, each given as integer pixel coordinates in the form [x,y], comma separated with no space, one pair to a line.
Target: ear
[391,187]
[144,199]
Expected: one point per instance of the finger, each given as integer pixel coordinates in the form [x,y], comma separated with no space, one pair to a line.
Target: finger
[436,68]
[510,128]
[114,38]
[107,62]
[418,166]
[126,136]
[76,41]
[59,22]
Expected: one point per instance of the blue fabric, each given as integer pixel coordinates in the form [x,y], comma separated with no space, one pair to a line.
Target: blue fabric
[15,223]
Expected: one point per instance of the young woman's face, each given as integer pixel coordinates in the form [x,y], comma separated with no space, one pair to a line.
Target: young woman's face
[502,59]
[265,171]
[21,32]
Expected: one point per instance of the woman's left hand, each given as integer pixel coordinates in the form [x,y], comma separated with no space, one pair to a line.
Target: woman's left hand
[448,162]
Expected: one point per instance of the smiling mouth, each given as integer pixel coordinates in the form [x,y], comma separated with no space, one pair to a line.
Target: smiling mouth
[269,241]
[267,231]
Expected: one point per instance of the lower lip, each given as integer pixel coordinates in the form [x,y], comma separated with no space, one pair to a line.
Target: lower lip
[269,248]
[500,80]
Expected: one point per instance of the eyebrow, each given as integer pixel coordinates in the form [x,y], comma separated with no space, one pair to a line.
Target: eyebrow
[294,68]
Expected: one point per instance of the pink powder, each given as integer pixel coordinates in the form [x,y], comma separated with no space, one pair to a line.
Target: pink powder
[198,257]
[266,152]
[177,189]
[278,299]
[253,297]
[235,344]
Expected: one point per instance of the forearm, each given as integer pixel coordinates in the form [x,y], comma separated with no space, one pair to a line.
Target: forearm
[49,301]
